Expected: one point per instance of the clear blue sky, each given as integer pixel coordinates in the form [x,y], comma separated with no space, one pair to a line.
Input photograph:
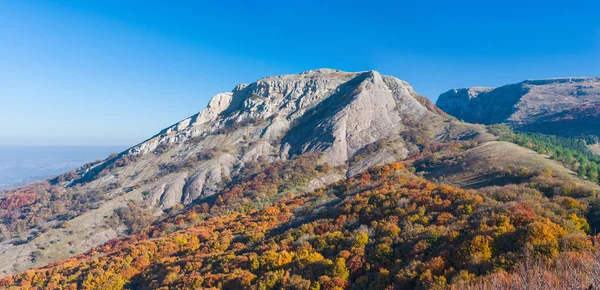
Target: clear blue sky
[108,73]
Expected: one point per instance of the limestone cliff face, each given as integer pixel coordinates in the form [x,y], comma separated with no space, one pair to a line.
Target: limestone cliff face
[337,114]
[329,111]
[564,106]
[365,105]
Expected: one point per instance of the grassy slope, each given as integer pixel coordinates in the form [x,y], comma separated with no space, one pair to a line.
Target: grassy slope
[485,164]
[595,148]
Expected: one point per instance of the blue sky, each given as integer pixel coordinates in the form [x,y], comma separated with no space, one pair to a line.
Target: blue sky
[116,72]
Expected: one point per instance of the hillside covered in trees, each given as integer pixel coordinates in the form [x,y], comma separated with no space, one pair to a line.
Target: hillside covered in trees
[382,229]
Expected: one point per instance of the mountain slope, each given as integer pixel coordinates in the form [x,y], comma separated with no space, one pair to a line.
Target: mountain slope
[383,228]
[356,120]
[564,106]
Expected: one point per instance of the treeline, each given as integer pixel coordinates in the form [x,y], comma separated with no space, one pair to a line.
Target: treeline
[572,152]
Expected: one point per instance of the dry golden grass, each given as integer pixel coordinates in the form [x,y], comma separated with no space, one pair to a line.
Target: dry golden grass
[486,164]
[595,148]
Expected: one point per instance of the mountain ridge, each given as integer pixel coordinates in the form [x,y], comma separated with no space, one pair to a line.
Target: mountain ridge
[567,106]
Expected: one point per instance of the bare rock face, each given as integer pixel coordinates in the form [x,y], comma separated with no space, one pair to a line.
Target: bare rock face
[206,178]
[329,111]
[324,110]
[564,106]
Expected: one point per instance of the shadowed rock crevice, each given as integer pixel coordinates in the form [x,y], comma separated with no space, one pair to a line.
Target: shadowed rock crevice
[312,130]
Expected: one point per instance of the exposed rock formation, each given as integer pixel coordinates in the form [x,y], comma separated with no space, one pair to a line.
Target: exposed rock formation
[565,106]
[323,110]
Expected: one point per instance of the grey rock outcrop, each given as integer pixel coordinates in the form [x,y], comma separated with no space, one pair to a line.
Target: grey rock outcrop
[329,111]
[564,106]
[324,110]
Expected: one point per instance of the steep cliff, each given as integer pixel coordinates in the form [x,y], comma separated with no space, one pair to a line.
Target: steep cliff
[563,106]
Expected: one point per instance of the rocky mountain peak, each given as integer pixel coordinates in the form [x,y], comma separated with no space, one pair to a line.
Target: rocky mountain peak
[326,111]
[322,71]
[283,99]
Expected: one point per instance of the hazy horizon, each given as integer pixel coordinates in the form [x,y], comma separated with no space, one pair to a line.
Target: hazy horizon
[20,165]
